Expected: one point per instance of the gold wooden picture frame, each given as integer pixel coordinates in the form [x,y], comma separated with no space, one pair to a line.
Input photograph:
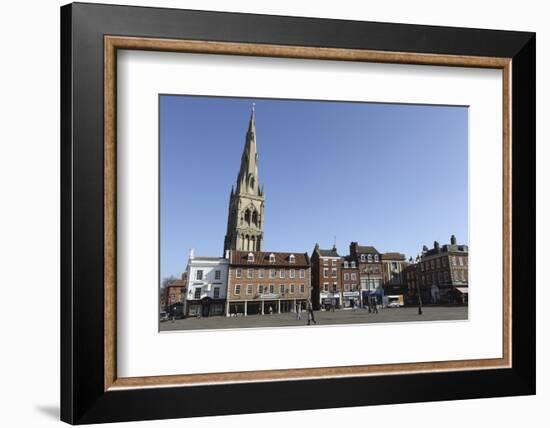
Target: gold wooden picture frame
[114,43]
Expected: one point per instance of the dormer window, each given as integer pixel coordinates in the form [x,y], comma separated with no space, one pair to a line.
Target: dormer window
[370,258]
[352,264]
[250,258]
[345,264]
[376,257]
[272,258]
[291,258]
[362,257]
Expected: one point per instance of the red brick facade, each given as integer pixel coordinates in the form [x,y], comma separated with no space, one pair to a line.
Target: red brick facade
[326,278]
[441,273]
[263,282]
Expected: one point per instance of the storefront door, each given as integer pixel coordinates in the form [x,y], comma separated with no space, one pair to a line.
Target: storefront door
[205,308]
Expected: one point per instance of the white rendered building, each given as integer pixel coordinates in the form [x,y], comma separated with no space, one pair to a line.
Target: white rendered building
[207,285]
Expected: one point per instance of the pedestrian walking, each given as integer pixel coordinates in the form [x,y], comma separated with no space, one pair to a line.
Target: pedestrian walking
[310,315]
[375,306]
[298,311]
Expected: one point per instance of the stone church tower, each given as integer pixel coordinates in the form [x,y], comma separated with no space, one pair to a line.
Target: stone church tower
[245,222]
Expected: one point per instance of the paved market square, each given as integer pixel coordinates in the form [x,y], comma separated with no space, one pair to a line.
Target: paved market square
[346,317]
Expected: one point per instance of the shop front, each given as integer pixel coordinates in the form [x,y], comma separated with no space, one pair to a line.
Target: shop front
[374,297]
[212,307]
[205,307]
[266,305]
[461,295]
[351,299]
[330,301]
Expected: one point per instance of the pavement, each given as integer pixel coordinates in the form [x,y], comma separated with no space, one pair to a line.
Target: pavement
[348,316]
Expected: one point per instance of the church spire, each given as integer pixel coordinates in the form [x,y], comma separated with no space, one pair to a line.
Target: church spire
[247,180]
[245,220]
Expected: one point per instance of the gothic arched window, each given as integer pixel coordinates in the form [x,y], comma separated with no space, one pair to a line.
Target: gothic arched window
[247,216]
[251,183]
[255,218]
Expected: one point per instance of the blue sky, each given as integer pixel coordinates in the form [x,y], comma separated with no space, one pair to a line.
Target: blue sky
[393,176]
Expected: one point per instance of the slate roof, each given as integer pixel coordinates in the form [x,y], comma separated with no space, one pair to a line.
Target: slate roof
[393,256]
[328,253]
[448,248]
[366,249]
[261,258]
[177,283]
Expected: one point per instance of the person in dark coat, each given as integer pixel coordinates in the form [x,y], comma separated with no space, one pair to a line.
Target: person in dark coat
[310,316]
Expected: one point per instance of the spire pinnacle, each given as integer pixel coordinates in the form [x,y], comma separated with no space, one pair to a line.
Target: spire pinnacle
[247,179]
[252,124]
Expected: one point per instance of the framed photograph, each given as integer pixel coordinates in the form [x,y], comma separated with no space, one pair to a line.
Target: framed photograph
[274,213]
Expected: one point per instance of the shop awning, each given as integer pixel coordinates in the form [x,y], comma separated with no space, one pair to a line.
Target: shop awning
[463,290]
[377,292]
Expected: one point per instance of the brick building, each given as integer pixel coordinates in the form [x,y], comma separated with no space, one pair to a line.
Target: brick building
[175,290]
[442,273]
[369,262]
[349,277]
[326,291]
[393,266]
[262,282]
[172,296]
[410,279]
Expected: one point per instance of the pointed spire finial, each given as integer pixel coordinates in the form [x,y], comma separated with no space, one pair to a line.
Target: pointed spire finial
[252,124]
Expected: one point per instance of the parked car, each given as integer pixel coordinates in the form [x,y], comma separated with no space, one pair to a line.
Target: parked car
[163,316]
